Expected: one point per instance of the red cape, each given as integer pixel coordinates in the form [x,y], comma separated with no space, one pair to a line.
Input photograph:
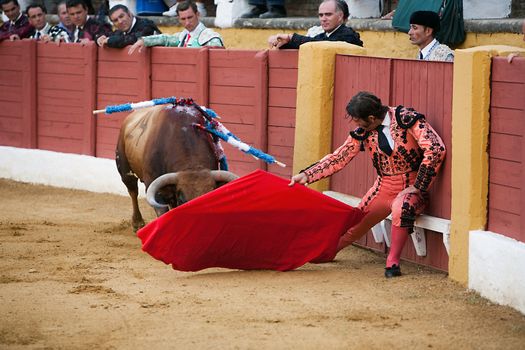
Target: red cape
[254,222]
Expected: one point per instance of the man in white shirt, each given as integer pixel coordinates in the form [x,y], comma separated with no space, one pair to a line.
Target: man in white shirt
[195,34]
[424,25]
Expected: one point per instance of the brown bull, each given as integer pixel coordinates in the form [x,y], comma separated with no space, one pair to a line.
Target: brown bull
[176,161]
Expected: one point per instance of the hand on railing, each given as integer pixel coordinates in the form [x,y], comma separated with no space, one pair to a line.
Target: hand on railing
[138,45]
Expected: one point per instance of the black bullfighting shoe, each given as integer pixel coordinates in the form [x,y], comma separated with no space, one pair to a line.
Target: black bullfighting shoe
[275,12]
[393,271]
[255,12]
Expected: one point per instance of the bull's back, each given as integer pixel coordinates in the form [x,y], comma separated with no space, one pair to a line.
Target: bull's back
[159,139]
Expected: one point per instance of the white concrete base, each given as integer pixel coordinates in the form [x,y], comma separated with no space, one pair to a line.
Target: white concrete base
[62,170]
[473,9]
[496,268]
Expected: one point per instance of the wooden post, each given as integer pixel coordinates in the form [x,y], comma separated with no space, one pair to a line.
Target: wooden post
[29,98]
[144,65]
[203,79]
[261,104]
[90,102]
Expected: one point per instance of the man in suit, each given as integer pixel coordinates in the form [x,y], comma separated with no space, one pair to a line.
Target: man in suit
[129,28]
[332,14]
[43,30]
[18,26]
[424,25]
[87,29]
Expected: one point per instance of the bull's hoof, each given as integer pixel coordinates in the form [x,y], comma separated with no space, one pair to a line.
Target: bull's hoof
[137,226]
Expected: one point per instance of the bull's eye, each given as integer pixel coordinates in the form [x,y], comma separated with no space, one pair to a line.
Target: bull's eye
[181,198]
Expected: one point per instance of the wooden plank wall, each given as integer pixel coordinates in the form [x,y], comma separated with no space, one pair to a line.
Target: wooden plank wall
[121,78]
[506,213]
[18,110]
[425,86]
[282,96]
[238,94]
[66,87]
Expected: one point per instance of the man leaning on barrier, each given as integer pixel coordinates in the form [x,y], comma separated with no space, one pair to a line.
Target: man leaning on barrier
[332,15]
[129,28]
[18,26]
[43,30]
[195,34]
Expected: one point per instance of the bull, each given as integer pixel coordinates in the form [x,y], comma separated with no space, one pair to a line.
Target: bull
[176,161]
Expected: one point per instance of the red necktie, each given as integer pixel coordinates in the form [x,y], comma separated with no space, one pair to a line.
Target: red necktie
[188,37]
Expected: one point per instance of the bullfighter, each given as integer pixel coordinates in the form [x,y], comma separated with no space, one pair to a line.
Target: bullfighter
[406,153]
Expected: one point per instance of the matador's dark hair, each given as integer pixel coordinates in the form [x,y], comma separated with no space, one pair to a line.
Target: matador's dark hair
[365,104]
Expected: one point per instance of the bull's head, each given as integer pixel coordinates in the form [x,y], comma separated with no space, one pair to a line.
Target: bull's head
[173,189]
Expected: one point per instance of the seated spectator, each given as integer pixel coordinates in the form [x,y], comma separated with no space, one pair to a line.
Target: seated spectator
[424,25]
[129,28]
[43,30]
[332,14]
[18,26]
[195,34]
[172,12]
[65,22]
[86,29]
[266,9]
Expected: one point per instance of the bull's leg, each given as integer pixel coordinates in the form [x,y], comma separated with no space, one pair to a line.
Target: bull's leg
[137,221]
[131,183]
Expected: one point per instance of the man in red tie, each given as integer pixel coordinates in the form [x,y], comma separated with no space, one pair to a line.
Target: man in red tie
[407,154]
[195,34]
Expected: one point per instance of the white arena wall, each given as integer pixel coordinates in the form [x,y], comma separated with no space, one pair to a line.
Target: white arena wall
[62,170]
[496,268]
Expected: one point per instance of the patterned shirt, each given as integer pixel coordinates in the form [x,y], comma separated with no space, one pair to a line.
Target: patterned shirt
[20,27]
[55,33]
[417,147]
[435,51]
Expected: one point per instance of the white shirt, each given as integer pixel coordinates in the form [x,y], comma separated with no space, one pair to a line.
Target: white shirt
[426,50]
[386,129]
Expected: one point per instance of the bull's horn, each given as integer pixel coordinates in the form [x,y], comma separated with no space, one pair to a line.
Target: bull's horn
[156,185]
[223,176]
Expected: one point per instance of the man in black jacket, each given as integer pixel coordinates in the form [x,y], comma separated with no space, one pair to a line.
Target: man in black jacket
[129,28]
[332,15]
[87,29]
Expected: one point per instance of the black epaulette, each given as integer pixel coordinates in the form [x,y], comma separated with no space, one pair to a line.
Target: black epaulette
[408,118]
[360,134]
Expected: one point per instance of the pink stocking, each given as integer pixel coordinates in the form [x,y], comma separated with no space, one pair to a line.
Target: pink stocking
[399,237]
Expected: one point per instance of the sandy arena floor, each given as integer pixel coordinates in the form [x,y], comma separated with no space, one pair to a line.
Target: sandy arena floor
[73,276]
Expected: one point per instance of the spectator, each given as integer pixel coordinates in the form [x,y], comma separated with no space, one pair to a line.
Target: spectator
[332,14]
[266,9]
[407,154]
[65,21]
[195,34]
[43,30]
[424,26]
[86,29]
[173,9]
[129,28]
[18,26]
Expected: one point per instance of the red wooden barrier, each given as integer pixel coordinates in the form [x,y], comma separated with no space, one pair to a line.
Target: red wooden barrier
[121,78]
[18,110]
[237,94]
[426,86]
[281,108]
[507,149]
[66,82]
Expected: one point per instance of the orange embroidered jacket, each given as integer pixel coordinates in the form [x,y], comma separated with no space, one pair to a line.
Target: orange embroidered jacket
[417,147]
